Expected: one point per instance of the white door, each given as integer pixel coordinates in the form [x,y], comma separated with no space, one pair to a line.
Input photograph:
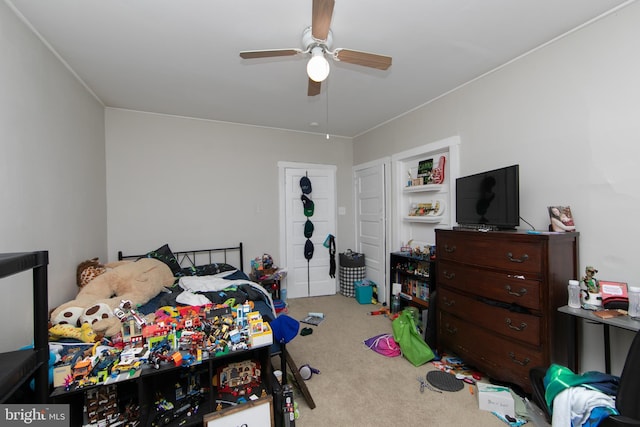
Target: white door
[371,208]
[307,277]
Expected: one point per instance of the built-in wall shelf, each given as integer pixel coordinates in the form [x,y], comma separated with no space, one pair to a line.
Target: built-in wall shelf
[417,210]
[425,218]
[423,188]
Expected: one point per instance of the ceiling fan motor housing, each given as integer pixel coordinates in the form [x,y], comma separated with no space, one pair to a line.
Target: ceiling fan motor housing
[309,42]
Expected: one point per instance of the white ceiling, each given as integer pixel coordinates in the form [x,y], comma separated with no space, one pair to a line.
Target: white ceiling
[180,57]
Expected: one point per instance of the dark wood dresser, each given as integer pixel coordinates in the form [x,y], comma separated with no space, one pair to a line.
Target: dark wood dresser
[497,299]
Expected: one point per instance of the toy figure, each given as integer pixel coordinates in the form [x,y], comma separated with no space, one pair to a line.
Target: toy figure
[591,283]
[590,290]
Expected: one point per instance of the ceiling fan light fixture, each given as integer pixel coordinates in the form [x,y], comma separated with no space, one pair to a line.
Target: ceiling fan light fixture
[318,66]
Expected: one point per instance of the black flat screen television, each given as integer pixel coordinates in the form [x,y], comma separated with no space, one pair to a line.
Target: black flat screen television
[489,199]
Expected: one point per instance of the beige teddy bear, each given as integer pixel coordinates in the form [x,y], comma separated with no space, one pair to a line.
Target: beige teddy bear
[137,281]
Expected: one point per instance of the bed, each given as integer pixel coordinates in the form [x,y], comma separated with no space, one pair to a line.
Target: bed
[204,276]
[222,268]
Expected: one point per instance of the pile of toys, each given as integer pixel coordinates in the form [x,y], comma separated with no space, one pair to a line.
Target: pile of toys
[178,402]
[102,408]
[263,268]
[239,380]
[180,336]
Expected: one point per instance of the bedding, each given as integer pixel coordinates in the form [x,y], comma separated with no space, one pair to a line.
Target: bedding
[202,279]
[232,287]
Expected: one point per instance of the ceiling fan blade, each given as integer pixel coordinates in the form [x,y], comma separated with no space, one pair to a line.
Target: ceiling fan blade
[252,54]
[321,18]
[366,59]
[314,88]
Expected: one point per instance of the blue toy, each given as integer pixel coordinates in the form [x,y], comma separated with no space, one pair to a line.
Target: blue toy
[54,357]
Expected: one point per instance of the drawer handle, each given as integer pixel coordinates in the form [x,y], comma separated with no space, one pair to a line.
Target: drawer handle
[515,328]
[523,258]
[449,249]
[448,302]
[450,329]
[524,362]
[521,293]
[448,275]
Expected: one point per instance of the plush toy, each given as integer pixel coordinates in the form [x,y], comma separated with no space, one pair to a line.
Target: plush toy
[83,333]
[137,281]
[88,270]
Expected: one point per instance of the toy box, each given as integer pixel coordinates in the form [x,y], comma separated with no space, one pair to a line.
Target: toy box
[495,398]
[264,337]
[364,293]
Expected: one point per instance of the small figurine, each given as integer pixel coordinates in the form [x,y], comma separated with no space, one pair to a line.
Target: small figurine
[68,382]
[590,290]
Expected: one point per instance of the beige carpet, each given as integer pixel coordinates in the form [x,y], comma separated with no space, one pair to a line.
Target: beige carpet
[357,386]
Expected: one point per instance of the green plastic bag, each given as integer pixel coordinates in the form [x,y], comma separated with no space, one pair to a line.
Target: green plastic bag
[413,347]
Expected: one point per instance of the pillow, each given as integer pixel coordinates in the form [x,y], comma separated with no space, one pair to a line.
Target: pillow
[205,270]
[165,255]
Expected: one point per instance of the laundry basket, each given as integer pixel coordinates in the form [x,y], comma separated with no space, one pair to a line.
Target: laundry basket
[352,268]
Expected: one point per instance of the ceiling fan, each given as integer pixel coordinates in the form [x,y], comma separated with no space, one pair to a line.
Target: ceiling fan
[316,42]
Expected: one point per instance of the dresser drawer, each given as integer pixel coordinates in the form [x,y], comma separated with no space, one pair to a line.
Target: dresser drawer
[518,254]
[496,356]
[500,286]
[520,326]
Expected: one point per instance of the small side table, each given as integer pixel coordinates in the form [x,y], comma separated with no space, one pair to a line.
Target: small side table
[623,322]
[271,282]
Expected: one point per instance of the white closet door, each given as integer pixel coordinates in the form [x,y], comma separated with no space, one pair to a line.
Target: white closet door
[371,217]
[308,278]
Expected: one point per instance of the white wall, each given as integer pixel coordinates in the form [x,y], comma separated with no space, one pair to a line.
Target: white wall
[568,114]
[200,184]
[52,173]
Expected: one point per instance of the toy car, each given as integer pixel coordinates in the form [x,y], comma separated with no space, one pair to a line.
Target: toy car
[157,357]
[188,359]
[81,369]
[86,382]
[103,364]
[129,361]
[130,365]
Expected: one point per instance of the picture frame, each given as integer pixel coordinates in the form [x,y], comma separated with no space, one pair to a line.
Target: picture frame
[424,170]
[561,219]
[255,413]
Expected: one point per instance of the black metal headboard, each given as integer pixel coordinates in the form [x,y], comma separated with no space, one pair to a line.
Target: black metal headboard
[197,257]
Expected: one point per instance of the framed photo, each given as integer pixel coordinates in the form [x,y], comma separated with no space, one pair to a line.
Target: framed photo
[255,413]
[561,219]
